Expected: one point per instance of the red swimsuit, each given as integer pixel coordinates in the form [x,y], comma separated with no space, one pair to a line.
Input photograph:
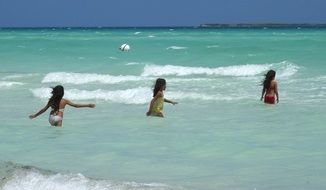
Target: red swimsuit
[269,99]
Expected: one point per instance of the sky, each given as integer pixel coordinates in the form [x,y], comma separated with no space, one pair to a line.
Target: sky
[133,13]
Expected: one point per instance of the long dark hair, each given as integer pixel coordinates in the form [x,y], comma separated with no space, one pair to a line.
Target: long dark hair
[158,85]
[57,94]
[270,75]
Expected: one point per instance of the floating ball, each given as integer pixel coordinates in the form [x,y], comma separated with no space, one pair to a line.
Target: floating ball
[124,47]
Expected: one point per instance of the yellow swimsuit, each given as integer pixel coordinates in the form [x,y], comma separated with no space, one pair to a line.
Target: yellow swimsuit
[158,106]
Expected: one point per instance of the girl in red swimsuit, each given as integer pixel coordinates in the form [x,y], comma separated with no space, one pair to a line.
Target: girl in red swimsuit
[269,88]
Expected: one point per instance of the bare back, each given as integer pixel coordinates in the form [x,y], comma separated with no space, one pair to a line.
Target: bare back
[62,105]
[272,90]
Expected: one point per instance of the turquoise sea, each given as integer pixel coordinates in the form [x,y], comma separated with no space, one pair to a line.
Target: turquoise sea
[219,137]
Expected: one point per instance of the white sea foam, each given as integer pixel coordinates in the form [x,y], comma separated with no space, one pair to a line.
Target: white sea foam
[129,96]
[139,95]
[29,178]
[200,96]
[42,92]
[313,79]
[83,78]
[176,47]
[177,80]
[284,69]
[241,70]
[151,36]
[136,33]
[212,46]
[8,84]
[16,76]
[133,63]
[322,77]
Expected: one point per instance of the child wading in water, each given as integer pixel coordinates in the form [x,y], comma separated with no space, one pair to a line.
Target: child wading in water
[58,104]
[156,105]
[269,88]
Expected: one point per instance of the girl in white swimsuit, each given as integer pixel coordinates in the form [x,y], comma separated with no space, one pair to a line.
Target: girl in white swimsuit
[58,104]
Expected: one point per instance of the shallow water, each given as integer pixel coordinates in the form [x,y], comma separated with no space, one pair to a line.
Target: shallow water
[219,136]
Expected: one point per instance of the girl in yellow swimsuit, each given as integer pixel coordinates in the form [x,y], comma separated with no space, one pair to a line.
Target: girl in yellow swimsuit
[58,104]
[156,105]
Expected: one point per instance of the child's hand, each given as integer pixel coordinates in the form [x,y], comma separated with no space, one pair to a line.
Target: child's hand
[32,116]
[91,105]
[174,103]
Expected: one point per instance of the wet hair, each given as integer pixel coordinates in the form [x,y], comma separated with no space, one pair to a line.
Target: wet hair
[57,94]
[158,85]
[270,75]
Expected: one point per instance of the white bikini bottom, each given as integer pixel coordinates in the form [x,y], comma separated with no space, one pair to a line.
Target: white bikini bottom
[54,119]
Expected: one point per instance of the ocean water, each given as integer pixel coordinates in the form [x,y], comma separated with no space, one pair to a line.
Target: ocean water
[219,137]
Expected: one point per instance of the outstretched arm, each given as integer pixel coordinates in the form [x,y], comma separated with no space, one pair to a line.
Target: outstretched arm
[40,112]
[170,101]
[80,105]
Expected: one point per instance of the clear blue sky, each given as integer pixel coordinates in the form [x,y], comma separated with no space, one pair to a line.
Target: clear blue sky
[47,13]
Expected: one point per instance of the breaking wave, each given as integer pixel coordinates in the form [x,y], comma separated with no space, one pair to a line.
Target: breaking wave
[8,84]
[83,78]
[284,69]
[18,177]
[129,96]
[140,95]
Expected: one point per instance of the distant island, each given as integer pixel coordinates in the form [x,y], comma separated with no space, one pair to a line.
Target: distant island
[263,25]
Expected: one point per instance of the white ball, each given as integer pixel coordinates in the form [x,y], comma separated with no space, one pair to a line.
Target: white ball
[124,47]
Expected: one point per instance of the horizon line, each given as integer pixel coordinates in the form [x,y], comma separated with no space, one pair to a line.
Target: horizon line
[206,25]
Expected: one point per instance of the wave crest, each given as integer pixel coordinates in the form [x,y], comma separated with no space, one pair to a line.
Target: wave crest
[8,84]
[285,68]
[32,178]
[129,96]
[139,95]
[83,78]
